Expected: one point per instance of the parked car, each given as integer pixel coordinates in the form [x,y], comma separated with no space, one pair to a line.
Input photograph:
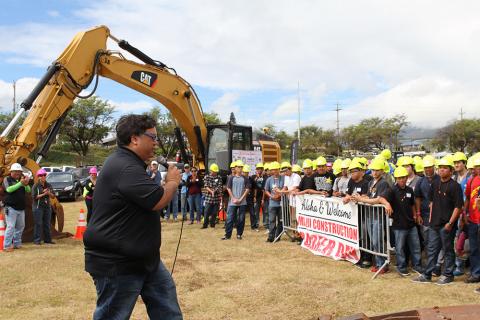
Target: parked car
[52,169]
[65,185]
[67,168]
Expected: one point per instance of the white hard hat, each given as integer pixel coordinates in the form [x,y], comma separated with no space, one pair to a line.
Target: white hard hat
[16,167]
[154,162]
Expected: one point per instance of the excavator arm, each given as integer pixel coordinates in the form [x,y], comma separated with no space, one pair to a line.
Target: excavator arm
[76,68]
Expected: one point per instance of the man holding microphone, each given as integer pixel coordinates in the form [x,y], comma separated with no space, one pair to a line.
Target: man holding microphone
[122,241]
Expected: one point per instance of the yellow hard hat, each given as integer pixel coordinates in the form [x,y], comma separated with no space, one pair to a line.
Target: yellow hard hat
[285,164]
[386,154]
[307,163]
[445,162]
[337,162]
[419,166]
[377,164]
[266,166]
[232,165]
[476,162]
[428,161]
[470,162]
[274,165]
[214,167]
[345,164]
[355,164]
[321,161]
[386,167]
[459,156]
[407,161]
[246,168]
[400,172]
[239,163]
[259,165]
[363,161]
[449,157]
[296,168]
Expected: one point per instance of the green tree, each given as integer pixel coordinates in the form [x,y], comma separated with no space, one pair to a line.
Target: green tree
[211,118]
[165,130]
[461,135]
[374,132]
[282,137]
[87,122]
[315,141]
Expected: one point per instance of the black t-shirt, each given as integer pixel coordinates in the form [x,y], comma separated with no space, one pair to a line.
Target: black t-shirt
[324,182]
[307,182]
[360,187]
[15,199]
[379,188]
[402,201]
[258,184]
[124,234]
[445,197]
[367,177]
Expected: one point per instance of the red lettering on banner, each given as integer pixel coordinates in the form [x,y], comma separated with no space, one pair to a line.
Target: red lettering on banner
[329,248]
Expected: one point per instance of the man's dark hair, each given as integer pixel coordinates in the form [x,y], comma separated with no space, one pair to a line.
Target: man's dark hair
[132,125]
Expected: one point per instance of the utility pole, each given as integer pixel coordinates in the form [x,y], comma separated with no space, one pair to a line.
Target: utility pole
[461,114]
[298,107]
[338,127]
[14,95]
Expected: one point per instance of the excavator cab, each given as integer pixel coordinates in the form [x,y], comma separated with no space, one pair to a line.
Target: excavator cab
[222,139]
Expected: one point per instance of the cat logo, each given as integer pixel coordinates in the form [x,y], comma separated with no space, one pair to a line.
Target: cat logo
[145,77]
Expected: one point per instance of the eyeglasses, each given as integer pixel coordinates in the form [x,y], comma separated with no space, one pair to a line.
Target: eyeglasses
[154,137]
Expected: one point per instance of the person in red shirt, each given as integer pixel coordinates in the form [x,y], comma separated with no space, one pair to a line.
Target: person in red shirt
[472,207]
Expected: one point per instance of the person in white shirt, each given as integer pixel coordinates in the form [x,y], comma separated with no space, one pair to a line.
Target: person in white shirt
[292,181]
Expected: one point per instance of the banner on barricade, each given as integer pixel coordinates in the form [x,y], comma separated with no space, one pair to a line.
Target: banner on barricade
[328,227]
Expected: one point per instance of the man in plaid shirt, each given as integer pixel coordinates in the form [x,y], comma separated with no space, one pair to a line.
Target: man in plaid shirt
[213,188]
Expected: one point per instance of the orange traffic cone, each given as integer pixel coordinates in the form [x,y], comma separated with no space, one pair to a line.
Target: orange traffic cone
[221,215]
[81,226]
[2,231]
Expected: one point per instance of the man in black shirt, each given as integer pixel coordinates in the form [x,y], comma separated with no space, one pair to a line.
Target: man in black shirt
[307,183]
[358,185]
[378,190]
[402,200]
[122,241]
[324,179]
[258,186]
[446,201]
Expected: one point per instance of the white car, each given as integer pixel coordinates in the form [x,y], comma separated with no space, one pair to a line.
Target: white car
[52,169]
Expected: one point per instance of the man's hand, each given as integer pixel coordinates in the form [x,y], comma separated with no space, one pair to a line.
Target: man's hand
[419,220]
[448,227]
[25,180]
[173,175]
[388,209]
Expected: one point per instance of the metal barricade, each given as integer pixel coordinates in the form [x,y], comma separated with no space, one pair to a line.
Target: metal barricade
[373,227]
[374,233]
[288,219]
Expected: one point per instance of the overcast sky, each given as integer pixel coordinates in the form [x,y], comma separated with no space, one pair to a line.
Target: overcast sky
[375,58]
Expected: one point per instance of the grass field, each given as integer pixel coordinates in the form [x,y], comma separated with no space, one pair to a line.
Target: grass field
[235,279]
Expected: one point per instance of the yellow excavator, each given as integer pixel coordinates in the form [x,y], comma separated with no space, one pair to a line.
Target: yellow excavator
[80,64]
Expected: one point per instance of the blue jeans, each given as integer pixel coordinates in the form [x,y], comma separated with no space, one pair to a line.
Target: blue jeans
[410,237]
[15,220]
[439,239]
[183,204]
[274,222]
[256,210]
[41,218]
[117,295]
[195,203]
[265,213]
[376,230]
[174,206]
[473,239]
[231,212]
[210,214]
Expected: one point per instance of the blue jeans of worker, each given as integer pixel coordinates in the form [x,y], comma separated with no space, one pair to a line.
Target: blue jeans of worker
[473,239]
[15,220]
[274,222]
[439,239]
[183,204]
[265,213]
[232,211]
[376,230]
[173,206]
[210,214]
[195,203]
[41,218]
[256,210]
[117,295]
[402,238]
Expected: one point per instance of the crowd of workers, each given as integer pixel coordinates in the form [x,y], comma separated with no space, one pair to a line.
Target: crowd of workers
[433,205]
